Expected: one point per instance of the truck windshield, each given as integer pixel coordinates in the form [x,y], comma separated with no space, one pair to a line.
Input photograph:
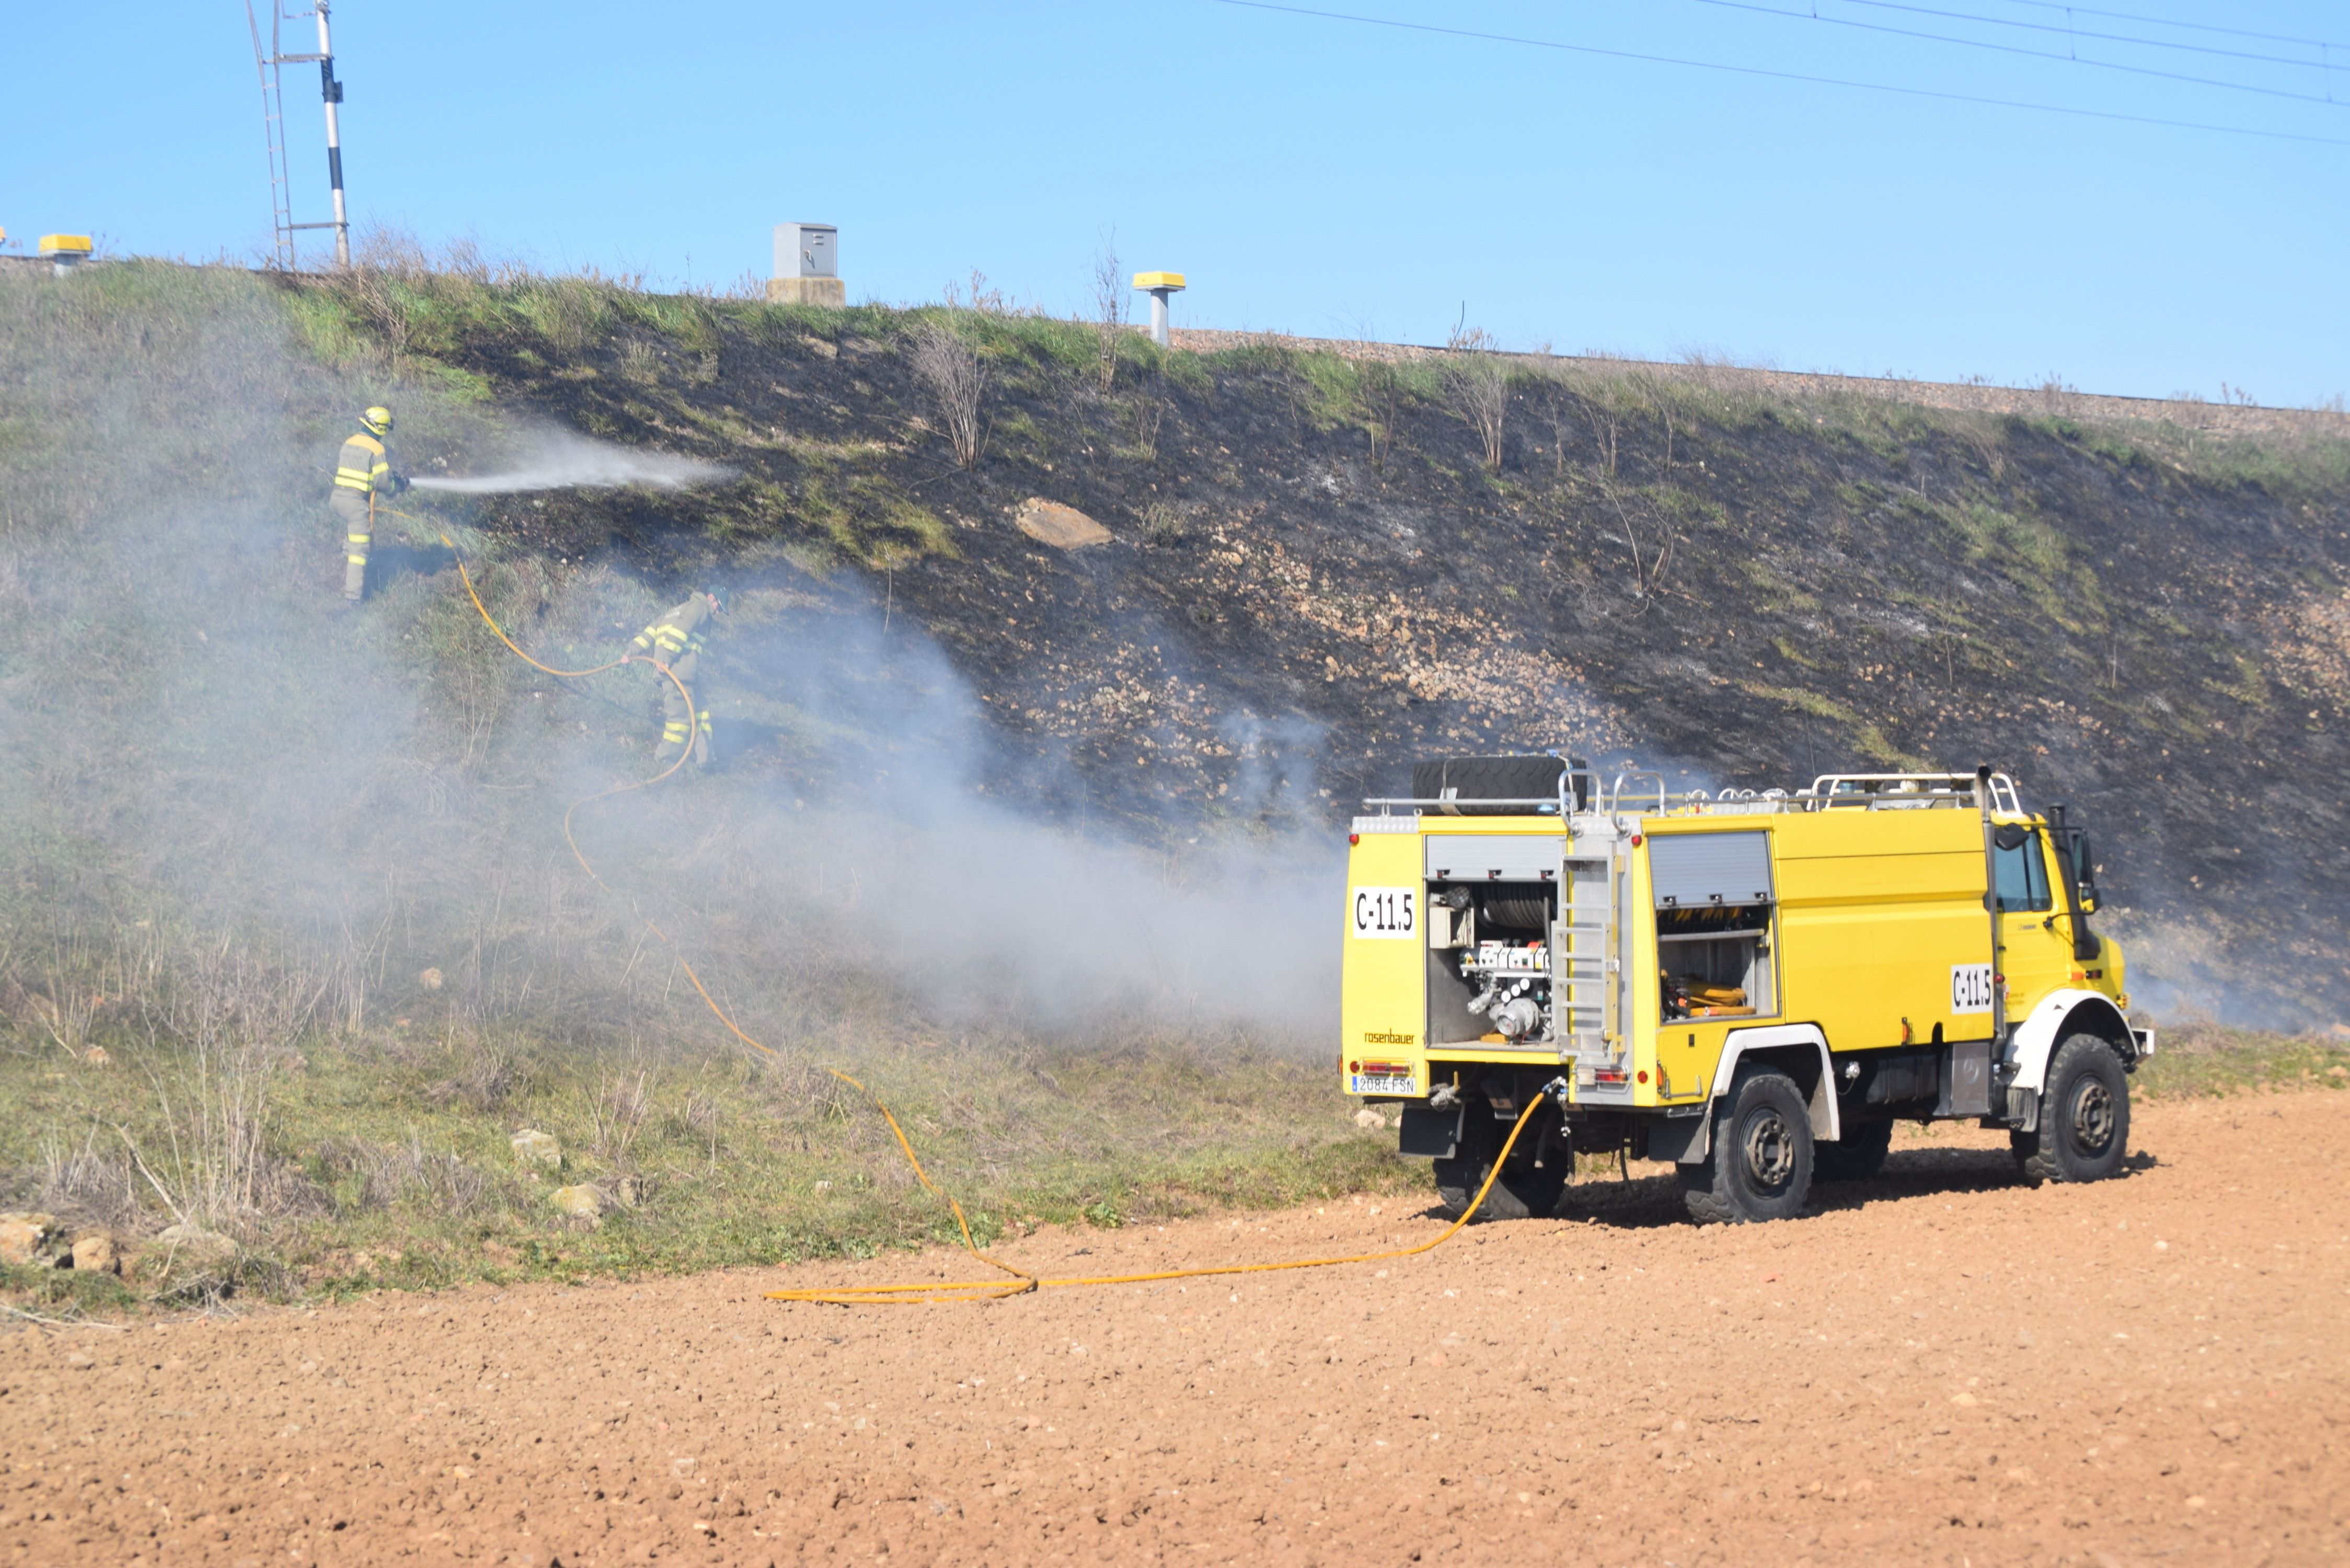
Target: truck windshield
[2020,876]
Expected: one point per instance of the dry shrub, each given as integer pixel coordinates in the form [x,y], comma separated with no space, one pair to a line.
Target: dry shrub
[85,1185]
[1478,388]
[229,1024]
[616,1116]
[639,362]
[62,1014]
[390,252]
[78,982]
[1382,394]
[946,363]
[1164,522]
[1110,311]
[982,298]
[570,311]
[389,1174]
[1148,412]
[699,1118]
[486,1076]
[390,268]
[795,1087]
[699,1115]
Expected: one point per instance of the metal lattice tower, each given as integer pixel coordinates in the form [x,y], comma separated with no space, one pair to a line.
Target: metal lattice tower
[268,60]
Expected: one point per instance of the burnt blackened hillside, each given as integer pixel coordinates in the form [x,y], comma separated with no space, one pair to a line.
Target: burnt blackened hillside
[1313,572]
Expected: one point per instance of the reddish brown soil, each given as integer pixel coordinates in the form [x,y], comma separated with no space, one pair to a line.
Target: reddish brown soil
[1939,1367]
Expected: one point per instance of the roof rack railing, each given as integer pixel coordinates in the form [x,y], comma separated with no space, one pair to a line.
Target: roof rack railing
[1634,789]
[1541,805]
[1879,791]
[1616,791]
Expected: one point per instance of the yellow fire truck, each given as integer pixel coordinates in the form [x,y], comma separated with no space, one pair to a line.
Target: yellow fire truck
[1755,986]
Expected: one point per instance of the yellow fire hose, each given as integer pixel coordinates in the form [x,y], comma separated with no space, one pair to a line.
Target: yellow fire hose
[1019,1281]
[1023,1281]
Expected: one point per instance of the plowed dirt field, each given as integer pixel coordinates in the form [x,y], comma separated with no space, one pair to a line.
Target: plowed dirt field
[1938,1367]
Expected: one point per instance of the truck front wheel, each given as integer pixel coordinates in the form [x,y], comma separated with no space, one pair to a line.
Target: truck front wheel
[2084,1129]
[1759,1167]
[1523,1190]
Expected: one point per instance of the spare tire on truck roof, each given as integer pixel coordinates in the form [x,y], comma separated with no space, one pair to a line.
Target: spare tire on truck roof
[1468,786]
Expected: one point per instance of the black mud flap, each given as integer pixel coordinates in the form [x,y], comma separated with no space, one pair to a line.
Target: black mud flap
[1677,1138]
[1429,1133]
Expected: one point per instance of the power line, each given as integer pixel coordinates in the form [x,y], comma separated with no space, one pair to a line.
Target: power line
[2069,31]
[1780,76]
[1813,16]
[2189,27]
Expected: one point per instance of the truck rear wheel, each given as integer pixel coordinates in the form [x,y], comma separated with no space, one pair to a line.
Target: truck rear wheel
[1857,1156]
[2084,1129]
[1523,1190]
[1759,1167]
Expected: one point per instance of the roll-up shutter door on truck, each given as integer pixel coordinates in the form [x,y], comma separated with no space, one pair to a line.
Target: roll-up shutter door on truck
[1693,870]
[1477,857]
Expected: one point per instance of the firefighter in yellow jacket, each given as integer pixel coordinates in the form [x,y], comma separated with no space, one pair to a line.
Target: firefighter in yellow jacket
[362,472]
[673,642]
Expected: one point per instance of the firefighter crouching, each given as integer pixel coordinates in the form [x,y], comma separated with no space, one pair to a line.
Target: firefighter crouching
[673,642]
[362,472]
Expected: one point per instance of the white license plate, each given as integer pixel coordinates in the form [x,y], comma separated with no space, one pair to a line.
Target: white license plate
[1380,1083]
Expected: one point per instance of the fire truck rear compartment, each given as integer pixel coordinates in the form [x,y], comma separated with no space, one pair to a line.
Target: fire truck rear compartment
[1488,965]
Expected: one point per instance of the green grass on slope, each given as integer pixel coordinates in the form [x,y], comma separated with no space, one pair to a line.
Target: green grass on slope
[2202,1059]
[385,1160]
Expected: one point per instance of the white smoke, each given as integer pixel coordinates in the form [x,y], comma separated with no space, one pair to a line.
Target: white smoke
[559,460]
[899,864]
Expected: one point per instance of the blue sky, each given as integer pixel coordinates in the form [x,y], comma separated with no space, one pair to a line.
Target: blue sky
[1309,174]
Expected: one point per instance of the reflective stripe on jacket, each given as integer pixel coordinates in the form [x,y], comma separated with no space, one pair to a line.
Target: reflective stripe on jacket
[362,464]
[677,633]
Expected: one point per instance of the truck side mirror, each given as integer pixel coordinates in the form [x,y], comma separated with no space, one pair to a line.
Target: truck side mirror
[2007,835]
[2084,870]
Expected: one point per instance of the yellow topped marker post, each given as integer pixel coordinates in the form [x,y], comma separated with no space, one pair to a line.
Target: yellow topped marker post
[65,250]
[1160,285]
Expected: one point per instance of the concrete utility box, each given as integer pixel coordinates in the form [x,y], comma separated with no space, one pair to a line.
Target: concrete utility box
[808,266]
[807,250]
